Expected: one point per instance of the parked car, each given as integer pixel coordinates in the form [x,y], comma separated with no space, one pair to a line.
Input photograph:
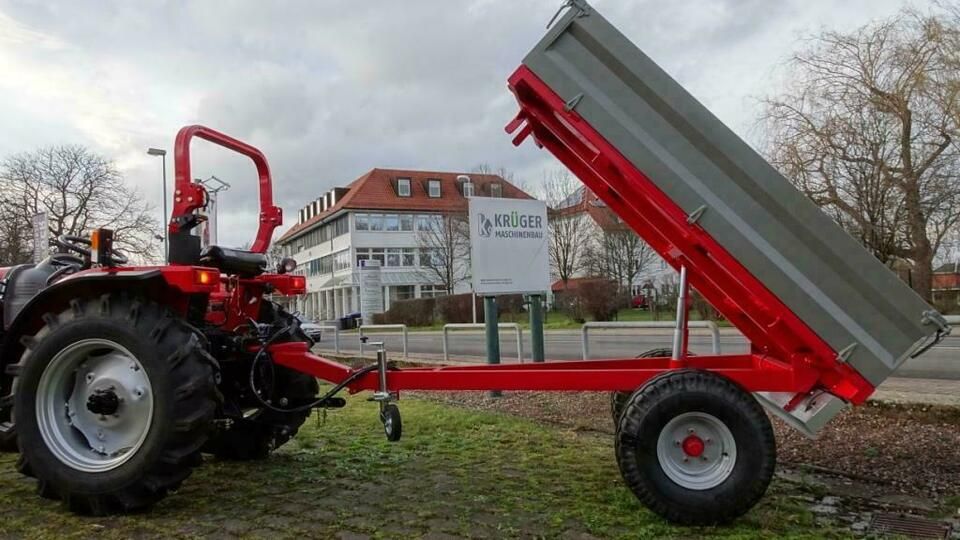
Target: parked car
[310,328]
[639,302]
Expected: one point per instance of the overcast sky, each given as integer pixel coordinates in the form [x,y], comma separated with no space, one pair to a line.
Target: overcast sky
[331,89]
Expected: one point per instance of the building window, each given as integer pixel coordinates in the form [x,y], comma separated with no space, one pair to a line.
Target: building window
[433,188]
[401,292]
[468,189]
[430,257]
[341,226]
[496,190]
[428,223]
[376,222]
[406,222]
[393,256]
[403,187]
[362,222]
[391,222]
[432,291]
[408,257]
[341,260]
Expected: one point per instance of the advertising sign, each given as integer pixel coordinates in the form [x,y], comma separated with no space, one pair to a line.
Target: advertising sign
[371,290]
[508,246]
[41,237]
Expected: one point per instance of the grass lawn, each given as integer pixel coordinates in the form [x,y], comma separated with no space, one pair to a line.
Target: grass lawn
[456,472]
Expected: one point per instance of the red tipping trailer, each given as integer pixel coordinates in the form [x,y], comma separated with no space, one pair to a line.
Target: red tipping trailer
[119,376]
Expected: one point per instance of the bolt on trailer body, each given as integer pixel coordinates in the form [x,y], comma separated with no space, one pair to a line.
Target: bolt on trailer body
[92,345]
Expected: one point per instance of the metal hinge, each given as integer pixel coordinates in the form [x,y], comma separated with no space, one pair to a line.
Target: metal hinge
[582,7]
[844,354]
[572,103]
[934,317]
[695,215]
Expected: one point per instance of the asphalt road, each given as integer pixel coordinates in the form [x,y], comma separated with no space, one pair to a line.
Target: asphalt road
[941,362]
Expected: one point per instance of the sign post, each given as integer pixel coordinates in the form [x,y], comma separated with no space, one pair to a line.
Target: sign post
[535,302]
[492,326]
[41,237]
[371,290]
[509,255]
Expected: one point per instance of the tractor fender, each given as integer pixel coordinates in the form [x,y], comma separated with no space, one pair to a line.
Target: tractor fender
[150,283]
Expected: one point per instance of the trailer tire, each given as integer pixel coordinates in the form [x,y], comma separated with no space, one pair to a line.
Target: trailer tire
[255,435]
[674,472]
[146,366]
[618,400]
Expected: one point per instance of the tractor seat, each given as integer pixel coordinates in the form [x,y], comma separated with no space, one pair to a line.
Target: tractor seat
[234,261]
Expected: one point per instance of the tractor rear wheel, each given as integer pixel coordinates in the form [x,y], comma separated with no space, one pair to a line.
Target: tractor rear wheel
[695,448]
[259,430]
[114,397]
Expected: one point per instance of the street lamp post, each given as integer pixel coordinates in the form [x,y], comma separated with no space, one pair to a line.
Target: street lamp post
[163,156]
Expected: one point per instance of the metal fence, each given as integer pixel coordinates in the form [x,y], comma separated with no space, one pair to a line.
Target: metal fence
[585,338]
[477,326]
[336,335]
[401,327]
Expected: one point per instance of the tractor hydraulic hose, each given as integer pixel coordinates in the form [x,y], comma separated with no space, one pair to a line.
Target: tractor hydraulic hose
[336,389]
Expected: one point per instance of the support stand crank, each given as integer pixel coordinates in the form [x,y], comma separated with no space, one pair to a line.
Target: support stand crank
[389,412]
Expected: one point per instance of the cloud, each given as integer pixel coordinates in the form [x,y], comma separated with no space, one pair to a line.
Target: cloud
[329,90]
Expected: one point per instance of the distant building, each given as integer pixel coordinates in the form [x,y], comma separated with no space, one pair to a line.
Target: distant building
[945,290]
[377,216]
[597,218]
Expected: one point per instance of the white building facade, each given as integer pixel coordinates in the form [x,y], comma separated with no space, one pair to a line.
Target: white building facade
[379,217]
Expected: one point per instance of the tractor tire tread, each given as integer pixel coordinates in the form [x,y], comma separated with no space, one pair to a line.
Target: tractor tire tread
[193,391]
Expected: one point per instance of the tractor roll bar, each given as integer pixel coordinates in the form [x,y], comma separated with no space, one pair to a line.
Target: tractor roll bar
[189,196]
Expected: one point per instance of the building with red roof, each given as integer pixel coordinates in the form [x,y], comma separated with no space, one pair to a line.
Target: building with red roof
[597,220]
[378,217]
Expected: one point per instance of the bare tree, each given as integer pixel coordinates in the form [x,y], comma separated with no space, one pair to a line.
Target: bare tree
[79,191]
[444,245]
[868,130]
[619,254]
[569,228]
[15,238]
[502,172]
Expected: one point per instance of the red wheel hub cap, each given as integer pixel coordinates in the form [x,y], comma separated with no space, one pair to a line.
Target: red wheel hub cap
[693,446]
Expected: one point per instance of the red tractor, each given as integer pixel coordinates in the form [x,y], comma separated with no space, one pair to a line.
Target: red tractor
[117,377]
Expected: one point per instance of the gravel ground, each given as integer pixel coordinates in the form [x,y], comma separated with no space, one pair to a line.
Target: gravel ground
[911,449]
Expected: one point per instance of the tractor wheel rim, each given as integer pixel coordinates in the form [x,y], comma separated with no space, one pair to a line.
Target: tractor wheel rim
[94,405]
[696,450]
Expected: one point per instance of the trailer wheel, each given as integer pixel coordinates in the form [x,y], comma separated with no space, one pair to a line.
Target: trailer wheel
[261,430]
[392,424]
[695,448]
[114,398]
[618,400]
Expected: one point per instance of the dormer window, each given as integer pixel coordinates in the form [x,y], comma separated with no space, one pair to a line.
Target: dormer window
[433,188]
[468,189]
[403,187]
[496,190]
